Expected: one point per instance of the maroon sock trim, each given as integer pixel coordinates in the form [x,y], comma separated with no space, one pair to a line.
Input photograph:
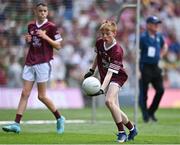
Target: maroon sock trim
[129,125]
[57,114]
[18,118]
[120,126]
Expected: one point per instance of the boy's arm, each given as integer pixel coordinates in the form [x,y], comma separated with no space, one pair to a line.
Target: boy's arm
[55,44]
[106,80]
[92,69]
[94,64]
[105,83]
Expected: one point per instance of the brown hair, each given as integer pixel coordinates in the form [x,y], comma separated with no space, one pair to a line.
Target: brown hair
[109,26]
[41,3]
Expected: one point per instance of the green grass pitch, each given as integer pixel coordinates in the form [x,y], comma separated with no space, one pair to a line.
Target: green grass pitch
[166,131]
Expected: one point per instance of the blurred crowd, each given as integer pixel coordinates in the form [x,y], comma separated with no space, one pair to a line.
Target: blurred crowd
[78,21]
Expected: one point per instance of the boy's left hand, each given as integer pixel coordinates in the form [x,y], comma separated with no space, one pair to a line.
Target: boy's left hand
[89,73]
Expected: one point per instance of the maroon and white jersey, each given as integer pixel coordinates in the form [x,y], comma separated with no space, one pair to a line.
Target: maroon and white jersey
[40,50]
[110,59]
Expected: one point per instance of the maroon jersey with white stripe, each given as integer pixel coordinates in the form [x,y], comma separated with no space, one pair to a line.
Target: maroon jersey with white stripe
[40,50]
[110,59]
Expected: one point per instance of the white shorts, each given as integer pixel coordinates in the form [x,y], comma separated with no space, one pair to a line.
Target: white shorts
[38,72]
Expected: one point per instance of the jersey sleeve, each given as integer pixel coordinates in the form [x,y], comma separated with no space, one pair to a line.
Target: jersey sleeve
[96,47]
[115,66]
[28,28]
[116,62]
[55,34]
[98,44]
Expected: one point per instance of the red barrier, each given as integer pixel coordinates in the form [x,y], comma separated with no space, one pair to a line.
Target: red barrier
[171,98]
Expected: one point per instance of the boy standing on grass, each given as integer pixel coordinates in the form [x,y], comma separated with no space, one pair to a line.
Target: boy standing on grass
[42,37]
[109,61]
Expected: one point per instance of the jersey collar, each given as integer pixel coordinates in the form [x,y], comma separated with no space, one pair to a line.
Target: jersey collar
[45,21]
[107,48]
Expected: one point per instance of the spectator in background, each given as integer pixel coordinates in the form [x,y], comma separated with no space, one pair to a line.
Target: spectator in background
[68,14]
[81,30]
[14,73]
[3,75]
[172,62]
[58,72]
[152,49]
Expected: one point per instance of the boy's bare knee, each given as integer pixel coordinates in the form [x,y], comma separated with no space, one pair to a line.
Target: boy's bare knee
[109,103]
[25,94]
[40,97]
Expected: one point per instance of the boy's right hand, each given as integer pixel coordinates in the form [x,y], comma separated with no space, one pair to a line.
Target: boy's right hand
[88,74]
[100,92]
[28,38]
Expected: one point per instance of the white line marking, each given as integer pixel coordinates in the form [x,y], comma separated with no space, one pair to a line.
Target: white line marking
[43,122]
[53,122]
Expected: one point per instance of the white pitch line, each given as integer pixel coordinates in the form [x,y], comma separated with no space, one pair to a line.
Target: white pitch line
[42,122]
[53,122]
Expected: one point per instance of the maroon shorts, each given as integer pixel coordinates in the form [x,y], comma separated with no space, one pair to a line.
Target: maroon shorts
[118,78]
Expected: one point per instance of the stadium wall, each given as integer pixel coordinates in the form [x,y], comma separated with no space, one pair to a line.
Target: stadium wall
[63,98]
[170,99]
[72,98]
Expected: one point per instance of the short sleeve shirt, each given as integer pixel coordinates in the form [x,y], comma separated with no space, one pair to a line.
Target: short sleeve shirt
[40,50]
[150,48]
[111,60]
